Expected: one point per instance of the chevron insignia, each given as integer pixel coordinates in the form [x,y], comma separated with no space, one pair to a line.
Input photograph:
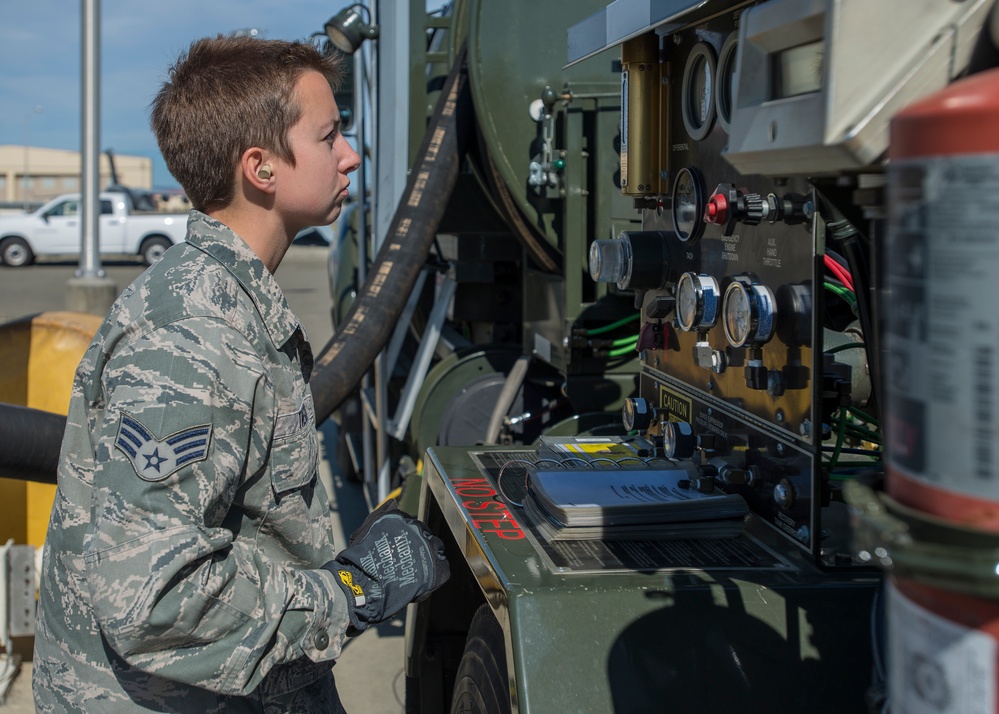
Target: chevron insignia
[154,459]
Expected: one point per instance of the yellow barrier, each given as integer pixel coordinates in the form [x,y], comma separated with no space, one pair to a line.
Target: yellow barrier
[38,358]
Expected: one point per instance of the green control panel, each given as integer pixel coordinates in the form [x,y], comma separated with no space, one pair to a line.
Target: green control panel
[746,623]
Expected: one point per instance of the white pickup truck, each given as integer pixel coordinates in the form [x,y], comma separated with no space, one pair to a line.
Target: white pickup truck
[54,229]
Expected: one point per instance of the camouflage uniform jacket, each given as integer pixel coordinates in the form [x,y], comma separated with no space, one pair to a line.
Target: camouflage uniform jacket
[181,563]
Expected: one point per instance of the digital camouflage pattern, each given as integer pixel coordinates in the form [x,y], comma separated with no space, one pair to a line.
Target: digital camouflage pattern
[182,563]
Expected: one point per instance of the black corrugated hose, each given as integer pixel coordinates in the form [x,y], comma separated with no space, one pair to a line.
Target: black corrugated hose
[31,441]
[374,313]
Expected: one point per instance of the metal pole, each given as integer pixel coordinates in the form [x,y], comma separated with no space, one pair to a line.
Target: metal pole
[383,462]
[90,258]
[89,290]
[360,115]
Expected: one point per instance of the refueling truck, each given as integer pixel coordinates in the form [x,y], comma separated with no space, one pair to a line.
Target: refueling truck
[708,184]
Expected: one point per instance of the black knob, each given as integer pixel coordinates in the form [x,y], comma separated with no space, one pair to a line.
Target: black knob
[660,307]
[706,442]
[752,209]
[756,376]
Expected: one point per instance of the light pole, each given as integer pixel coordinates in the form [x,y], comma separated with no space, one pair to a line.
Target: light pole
[26,179]
[90,290]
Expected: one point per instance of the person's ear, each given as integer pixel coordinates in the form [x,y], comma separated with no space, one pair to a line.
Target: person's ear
[257,169]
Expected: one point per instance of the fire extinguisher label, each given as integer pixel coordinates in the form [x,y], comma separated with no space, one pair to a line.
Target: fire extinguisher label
[936,666]
[941,372]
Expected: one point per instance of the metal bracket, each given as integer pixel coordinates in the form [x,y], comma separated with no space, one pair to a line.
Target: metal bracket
[17,605]
[407,402]
[917,545]
[397,425]
[17,591]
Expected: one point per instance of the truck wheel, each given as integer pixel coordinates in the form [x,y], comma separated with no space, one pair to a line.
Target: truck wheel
[15,252]
[153,249]
[480,686]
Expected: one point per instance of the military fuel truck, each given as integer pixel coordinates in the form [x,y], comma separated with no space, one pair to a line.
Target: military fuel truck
[651,393]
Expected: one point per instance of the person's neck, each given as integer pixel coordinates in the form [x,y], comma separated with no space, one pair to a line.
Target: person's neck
[259,230]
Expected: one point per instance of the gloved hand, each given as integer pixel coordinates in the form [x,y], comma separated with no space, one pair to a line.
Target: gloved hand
[391,560]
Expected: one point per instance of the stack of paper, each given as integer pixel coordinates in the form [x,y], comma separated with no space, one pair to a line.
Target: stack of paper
[629,504]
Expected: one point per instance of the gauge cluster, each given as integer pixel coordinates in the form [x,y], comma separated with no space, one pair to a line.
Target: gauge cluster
[735,336]
[733,376]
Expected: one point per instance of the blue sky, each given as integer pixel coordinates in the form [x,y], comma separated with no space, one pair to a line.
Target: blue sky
[40,62]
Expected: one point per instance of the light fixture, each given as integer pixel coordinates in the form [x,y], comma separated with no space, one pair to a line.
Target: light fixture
[347,30]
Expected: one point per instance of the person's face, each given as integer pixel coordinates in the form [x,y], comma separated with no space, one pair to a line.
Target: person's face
[312,191]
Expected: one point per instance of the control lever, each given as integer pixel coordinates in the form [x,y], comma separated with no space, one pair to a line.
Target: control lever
[729,205]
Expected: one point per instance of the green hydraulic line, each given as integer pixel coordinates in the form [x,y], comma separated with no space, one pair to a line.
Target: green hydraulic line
[611,326]
[622,351]
[625,341]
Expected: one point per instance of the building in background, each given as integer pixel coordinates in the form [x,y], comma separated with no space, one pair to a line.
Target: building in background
[32,175]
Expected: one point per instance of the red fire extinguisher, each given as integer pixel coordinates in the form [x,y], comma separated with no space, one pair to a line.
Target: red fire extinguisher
[941,381]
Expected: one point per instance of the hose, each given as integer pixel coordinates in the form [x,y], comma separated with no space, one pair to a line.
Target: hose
[372,317]
[31,441]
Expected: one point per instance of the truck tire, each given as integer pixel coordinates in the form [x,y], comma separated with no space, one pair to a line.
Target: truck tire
[153,249]
[480,687]
[15,252]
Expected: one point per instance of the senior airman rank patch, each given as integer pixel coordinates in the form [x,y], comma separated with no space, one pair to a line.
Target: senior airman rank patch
[154,459]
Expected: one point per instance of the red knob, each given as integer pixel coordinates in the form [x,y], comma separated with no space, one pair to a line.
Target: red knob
[716,210]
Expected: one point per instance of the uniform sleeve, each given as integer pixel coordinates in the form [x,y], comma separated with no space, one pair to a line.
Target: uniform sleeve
[182,455]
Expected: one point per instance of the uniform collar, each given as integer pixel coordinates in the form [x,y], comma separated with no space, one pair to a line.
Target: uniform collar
[220,242]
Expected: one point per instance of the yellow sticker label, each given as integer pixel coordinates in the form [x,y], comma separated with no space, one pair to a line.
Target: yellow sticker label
[590,448]
[676,405]
[348,580]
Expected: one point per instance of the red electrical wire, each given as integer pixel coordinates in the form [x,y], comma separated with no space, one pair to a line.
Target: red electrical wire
[839,271]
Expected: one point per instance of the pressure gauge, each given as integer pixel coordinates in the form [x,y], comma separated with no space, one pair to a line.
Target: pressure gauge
[696,302]
[679,441]
[748,313]
[698,96]
[688,205]
[637,414]
[610,262]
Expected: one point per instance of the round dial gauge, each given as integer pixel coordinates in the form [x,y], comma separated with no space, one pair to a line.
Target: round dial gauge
[696,302]
[688,205]
[748,313]
[636,414]
[679,441]
[698,96]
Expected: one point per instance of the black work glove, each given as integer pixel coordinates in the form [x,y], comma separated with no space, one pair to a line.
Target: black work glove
[392,559]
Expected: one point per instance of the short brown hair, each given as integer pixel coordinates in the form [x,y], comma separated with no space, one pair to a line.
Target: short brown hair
[224,95]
